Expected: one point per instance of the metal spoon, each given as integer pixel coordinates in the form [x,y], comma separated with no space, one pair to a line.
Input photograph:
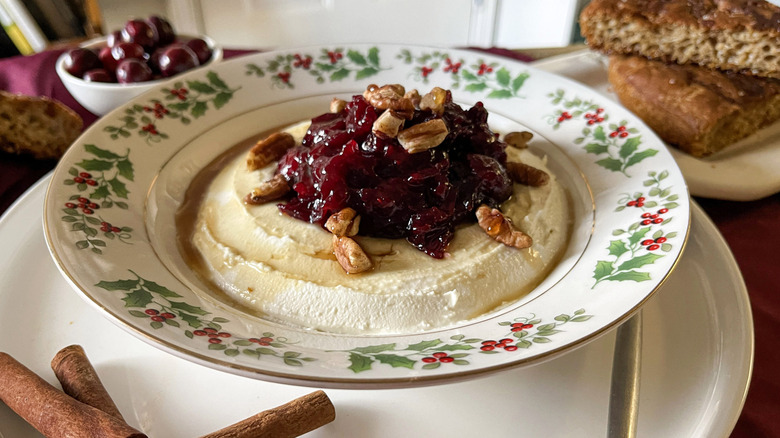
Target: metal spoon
[624,387]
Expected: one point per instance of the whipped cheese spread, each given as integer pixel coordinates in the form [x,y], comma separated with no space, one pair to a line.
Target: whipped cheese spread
[283,268]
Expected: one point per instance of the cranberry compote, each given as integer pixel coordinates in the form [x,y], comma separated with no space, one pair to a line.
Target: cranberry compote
[420,197]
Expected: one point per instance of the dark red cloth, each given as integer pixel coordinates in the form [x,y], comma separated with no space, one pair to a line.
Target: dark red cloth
[752,230]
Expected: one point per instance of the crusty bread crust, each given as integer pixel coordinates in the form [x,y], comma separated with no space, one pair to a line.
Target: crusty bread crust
[737,35]
[38,126]
[698,110]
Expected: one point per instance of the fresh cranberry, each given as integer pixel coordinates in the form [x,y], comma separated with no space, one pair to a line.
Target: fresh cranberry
[162,29]
[421,197]
[98,75]
[126,50]
[139,32]
[176,59]
[203,51]
[107,59]
[79,61]
[114,38]
[130,71]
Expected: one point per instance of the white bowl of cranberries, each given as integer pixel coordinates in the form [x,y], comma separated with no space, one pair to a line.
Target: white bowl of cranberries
[106,72]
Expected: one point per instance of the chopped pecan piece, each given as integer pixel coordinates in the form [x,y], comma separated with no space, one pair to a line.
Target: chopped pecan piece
[518,140]
[414,96]
[434,101]
[271,190]
[350,255]
[337,105]
[390,97]
[497,226]
[344,223]
[269,149]
[423,136]
[528,175]
[387,125]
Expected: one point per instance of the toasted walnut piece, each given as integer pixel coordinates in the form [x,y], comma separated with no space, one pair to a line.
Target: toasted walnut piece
[337,105]
[345,222]
[517,139]
[423,136]
[501,229]
[414,96]
[387,125]
[271,190]
[269,149]
[350,255]
[434,101]
[528,175]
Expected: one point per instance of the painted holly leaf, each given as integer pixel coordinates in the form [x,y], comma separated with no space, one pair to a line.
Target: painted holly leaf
[424,345]
[221,99]
[638,235]
[201,87]
[161,290]
[359,362]
[638,262]
[188,308]
[630,276]
[339,74]
[630,146]
[395,360]
[118,285]
[125,168]
[454,347]
[503,77]
[639,156]
[500,94]
[95,165]
[137,298]
[611,164]
[518,82]
[596,148]
[100,153]
[617,248]
[118,187]
[603,269]
[373,349]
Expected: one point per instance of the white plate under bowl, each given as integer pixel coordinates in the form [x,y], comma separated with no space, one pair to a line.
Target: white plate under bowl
[745,171]
[696,361]
[140,157]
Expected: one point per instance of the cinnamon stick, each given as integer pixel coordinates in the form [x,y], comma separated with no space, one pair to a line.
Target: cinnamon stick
[289,420]
[52,412]
[80,380]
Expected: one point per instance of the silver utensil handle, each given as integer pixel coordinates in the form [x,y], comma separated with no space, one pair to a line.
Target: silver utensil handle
[624,387]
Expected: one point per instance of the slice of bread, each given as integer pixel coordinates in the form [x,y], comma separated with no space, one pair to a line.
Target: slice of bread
[696,109]
[737,35]
[38,126]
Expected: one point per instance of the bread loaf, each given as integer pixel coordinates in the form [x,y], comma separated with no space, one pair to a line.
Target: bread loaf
[39,126]
[737,35]
[696,109]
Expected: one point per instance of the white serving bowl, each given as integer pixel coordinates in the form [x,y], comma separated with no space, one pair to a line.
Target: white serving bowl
[100,97]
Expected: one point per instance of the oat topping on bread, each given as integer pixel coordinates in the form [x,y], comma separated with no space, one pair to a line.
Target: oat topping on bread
[38,126]
[739,35]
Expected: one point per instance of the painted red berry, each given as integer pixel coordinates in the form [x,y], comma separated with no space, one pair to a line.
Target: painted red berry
[254,340]
[658,220]
[199,333]
[168,315]
[70,205]
[488,342]
[428,360]
[647,242]
[640,204]
[660,240]
[613,134]
[663,210]
[209,330]
[631,203]
[87,211]
[151,312]
[505,341]
[653,247]
[78,179]
[640,199]
[224,334]
[510,348]
[647,222]
[215,341]
[600,110]
[487,348]
[158,318]
[623,134]
[439,354]
[446,359]
[83,200]
[646,215]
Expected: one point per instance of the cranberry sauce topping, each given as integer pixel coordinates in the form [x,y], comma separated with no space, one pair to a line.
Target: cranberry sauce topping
[420,196]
